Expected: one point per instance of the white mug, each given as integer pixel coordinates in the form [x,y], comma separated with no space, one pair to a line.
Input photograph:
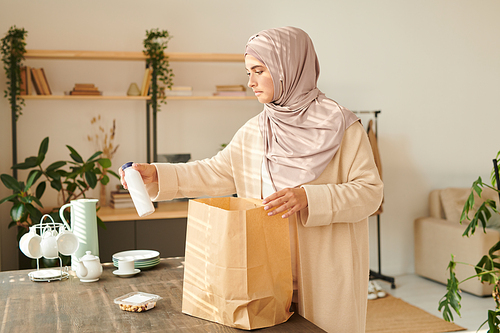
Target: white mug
[30,244]
[67,242]
[126,266]
[49,244]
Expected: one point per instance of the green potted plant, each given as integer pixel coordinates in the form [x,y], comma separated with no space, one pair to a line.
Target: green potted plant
[13,50]
[155,44]
[71,184]
[488,267]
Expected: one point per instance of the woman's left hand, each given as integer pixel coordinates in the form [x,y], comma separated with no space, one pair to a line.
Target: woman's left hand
[291,199]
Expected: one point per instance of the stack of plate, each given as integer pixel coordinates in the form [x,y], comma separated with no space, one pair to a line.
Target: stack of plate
[48,275]
[143,259]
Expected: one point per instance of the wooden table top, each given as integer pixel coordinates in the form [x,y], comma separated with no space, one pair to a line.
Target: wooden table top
[74,306]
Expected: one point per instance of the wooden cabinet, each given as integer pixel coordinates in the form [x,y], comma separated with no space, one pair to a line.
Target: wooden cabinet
[163,231]
[167,236]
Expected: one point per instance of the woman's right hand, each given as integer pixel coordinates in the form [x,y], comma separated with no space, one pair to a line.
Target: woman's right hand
[147,171]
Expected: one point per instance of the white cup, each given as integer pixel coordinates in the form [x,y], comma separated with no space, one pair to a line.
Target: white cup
[49,244]
[67,242]
[30,244]
[126,266]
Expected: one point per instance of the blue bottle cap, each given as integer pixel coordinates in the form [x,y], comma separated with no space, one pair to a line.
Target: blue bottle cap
[127,165]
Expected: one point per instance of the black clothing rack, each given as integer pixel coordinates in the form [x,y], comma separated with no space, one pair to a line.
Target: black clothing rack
[378,275]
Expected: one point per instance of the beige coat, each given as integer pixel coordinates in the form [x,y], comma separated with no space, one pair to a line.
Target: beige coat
[333,251]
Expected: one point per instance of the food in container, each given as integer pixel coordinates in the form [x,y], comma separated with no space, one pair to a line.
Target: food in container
[137,301]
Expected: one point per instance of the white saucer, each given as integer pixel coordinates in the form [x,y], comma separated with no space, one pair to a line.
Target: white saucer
[126,274]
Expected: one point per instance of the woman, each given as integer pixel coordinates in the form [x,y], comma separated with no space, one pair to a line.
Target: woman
[310,158]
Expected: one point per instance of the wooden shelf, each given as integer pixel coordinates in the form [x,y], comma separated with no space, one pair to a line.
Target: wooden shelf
[67,97]
[165,210]
[132,56]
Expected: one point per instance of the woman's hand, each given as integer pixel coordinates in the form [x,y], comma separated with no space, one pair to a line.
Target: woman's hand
[147,171]
[291,199]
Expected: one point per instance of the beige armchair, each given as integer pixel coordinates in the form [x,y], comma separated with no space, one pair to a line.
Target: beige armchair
[439,236]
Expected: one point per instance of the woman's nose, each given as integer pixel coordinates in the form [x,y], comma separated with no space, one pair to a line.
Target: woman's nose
[251,82]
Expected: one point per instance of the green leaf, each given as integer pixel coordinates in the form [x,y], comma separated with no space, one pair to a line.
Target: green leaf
[56,185]
[105,162]
[74,155]
[91,179]
[11,183]
[44,147]
[56,165]
[30,181]
[493,321]
[40,158]
[17,212]
[101,223]
[104,180]
[113,173]
[451,300]
[54,175]
[40,189]
[10,197]
[29,162]
[96,154]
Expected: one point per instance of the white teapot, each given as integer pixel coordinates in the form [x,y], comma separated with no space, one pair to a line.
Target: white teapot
[88,268]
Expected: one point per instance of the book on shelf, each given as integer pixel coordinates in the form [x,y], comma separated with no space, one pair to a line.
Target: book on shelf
[26,80]
[85,89]
[45,83]
[231,87]
[120,195]
[179,91]
[118,205]
[230,93]
[37,84]
[146,81]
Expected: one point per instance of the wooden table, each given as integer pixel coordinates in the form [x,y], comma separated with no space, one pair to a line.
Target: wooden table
[74,306]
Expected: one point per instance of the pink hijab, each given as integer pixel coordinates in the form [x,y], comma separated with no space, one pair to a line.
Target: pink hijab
[301,127]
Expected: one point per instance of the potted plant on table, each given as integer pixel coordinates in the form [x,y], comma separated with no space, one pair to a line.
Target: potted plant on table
[82,176]
[488,267]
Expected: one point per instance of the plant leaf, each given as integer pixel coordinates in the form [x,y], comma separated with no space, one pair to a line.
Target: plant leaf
[30,181]
[74,155]
[29,162]
[44,147]
[91,179]
[104,180]
[113,173]
[105,162]
[40,189]
[10,182]
[96,154]
[451,300]
[17,212]
[10,197]
[56,165]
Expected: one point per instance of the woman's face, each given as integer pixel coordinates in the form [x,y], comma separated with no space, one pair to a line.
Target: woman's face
[259,79]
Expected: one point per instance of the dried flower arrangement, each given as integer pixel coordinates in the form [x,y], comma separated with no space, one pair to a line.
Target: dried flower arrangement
[103,141]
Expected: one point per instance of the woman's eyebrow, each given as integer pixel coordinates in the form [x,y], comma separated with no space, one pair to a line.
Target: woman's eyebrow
[255,66]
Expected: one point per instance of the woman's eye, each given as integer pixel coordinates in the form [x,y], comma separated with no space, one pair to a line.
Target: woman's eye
[258,72]
[248,74]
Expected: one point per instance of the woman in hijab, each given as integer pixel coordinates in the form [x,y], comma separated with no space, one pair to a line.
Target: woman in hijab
[311,159]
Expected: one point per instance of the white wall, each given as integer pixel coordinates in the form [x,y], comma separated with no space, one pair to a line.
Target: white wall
[431,66]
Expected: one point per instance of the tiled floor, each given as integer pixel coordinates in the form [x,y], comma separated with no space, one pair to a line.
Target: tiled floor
[426,294]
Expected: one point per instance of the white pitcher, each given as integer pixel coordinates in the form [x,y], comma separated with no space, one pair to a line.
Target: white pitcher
[84,226]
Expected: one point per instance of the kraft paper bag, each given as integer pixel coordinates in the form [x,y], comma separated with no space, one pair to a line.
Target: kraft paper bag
[237,268]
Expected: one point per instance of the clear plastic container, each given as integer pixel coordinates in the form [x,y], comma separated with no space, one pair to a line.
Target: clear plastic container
[137,301]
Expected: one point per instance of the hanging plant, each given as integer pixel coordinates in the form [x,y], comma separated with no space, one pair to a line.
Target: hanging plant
[155,44]
[13,50]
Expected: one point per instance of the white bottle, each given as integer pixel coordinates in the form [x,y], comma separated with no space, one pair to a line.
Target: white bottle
[138,191]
